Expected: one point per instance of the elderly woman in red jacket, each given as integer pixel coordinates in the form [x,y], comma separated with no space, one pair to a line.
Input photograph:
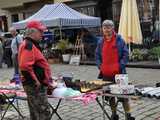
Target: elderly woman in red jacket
[111,59]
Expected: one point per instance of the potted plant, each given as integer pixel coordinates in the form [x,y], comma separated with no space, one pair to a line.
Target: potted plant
[63,45]
[50,56]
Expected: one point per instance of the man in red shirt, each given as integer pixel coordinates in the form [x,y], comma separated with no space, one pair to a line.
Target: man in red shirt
[35,71]
[111,58]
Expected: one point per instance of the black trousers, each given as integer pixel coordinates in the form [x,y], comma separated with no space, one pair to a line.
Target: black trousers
[8,57]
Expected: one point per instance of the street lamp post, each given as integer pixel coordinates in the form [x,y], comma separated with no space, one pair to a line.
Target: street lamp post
[159,10]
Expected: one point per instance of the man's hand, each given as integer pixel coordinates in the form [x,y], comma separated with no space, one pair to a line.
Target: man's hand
[50,86]
[50,89]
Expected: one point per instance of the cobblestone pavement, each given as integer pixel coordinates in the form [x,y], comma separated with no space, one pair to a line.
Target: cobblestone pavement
[144,109]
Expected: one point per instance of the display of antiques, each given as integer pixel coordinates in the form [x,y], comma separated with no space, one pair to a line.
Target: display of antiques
[151,92]
[86,86]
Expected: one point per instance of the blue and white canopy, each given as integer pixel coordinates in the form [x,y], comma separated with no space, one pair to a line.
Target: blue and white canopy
[60,15]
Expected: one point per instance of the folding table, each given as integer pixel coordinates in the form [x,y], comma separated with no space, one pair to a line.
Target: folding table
[118,96]
[100,102]
[11,98]
[54,109]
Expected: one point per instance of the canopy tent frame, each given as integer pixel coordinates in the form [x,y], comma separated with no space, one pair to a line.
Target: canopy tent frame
[60,15]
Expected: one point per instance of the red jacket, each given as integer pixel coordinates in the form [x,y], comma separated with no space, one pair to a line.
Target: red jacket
[30,57]
[110,59]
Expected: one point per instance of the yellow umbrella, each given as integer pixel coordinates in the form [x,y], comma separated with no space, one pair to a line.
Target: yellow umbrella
[129,26]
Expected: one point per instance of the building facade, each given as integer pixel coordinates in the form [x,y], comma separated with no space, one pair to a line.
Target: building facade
[17,10]
[149,11]
[106,9]
[3,21]
[148,14]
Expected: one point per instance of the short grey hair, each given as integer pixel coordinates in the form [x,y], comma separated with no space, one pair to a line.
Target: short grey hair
[108,23]
[29,31]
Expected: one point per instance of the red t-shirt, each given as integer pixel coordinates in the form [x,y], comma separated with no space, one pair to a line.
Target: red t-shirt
[110,58]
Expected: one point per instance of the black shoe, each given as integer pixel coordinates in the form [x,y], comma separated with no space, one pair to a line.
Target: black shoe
[132,118]
[12,80]
[129,117]
[158,84]
[114,117]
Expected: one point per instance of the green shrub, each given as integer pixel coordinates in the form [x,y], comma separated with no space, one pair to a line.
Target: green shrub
[144,53]
[136,55]
[154,53]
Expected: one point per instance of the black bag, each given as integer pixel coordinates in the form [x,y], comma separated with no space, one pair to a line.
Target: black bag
[2,100]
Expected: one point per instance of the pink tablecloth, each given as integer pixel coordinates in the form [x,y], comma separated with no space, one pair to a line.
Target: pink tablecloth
[17,92]
[85,98]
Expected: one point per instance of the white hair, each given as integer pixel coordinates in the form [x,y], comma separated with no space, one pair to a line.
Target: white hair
[108,23]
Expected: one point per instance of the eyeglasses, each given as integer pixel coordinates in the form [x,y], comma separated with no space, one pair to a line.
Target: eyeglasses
[107,26]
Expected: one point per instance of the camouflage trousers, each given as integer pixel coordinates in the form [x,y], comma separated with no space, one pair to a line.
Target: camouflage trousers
[38,102]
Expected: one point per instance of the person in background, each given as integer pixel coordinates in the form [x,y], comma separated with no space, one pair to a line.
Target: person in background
[35,71]
[156,33]
[156,37]
[16,41]
[90,41]
[111,58]
[1,52]
[7,50]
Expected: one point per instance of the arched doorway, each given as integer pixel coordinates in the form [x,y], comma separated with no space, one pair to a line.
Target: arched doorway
[3,24]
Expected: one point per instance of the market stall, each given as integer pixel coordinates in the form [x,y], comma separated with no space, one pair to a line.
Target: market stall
[80,91]
[12,93]
[58,17]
